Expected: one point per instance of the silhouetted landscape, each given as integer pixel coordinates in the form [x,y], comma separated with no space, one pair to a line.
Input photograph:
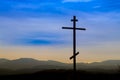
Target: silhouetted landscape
[62,75]
[31,69]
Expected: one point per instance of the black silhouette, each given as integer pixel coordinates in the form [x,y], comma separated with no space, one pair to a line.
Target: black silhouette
[62,75]
[31,69]
[74,20]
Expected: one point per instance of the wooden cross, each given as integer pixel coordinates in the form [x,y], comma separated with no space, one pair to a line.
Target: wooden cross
[74,20]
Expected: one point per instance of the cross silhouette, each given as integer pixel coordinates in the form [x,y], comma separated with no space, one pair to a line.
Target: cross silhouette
[74,20]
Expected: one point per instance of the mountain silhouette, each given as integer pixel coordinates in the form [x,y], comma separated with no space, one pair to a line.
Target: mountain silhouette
[29,65]
[23,63]
[2,60]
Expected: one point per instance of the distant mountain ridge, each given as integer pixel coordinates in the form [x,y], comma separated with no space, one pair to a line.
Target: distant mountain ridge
[29,63]
[23,63]
[3,60]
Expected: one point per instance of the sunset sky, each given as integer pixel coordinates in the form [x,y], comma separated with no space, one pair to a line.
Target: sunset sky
[33,29]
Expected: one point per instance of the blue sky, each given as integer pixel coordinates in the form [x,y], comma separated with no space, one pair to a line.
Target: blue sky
[52,7]
[39,23]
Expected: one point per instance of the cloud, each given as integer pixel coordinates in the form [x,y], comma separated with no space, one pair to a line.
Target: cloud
[97,7]
[28,8]
[31,31]
[101,27]
[77,1]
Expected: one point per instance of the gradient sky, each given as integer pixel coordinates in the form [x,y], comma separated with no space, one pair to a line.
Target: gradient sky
[32,29]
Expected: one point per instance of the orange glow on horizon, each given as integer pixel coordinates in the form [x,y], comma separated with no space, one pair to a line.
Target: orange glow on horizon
[87,54]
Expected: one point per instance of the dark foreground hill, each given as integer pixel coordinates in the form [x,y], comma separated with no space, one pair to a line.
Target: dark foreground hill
[62,75]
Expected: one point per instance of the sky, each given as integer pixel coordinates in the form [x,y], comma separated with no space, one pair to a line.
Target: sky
[33,29]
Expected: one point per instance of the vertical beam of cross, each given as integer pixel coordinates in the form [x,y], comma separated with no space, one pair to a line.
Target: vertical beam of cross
[74,20]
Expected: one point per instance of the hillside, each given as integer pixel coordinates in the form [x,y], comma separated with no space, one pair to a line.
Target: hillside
[29,65]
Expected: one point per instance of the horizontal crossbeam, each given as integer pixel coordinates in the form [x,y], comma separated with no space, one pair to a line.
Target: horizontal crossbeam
[74,55]
[73,28]
[74,20]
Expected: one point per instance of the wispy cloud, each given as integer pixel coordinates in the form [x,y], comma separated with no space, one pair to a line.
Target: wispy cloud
[101,27]
[97,7]
[77,1]
[31,31]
